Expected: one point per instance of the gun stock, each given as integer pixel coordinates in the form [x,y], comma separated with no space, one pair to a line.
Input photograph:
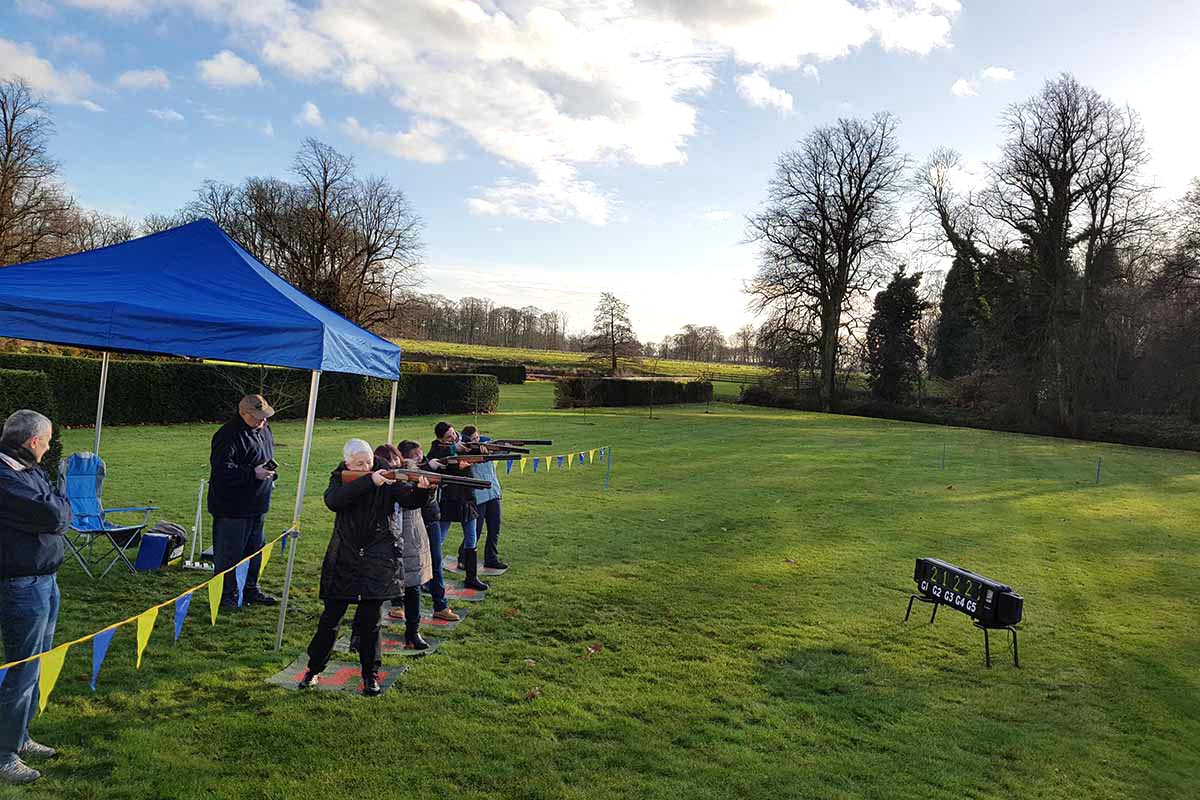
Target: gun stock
[435,478]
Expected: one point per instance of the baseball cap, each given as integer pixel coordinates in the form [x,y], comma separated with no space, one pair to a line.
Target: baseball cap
[256,406]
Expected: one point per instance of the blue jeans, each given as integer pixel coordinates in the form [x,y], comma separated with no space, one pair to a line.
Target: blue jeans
[28,613]
[234,538]
[470,534]
[489,512]
[437,584]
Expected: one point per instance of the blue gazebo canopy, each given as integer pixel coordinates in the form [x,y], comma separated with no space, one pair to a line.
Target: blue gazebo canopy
[187,291]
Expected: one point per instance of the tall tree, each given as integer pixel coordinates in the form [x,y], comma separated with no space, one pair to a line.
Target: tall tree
[831,218]
[959,328]
[612,334]
[34,209]
[893,355]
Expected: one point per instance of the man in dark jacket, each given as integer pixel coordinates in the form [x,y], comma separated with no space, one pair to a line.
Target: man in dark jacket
[457,504]
[239,495]
[34,515]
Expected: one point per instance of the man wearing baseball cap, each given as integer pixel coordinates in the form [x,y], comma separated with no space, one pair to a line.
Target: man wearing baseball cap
[239,494]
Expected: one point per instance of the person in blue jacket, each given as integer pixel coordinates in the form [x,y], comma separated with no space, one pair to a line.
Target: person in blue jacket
[34,515]
[242,462]
[487,501]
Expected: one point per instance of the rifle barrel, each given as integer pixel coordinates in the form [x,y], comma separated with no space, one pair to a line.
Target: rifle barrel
[435,478]
[519,442]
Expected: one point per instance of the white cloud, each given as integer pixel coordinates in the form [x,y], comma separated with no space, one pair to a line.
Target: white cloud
[165,114]
[310,115]
[37,8]
[811,72]
[217,119]
[131,7]
[68,86]
[997,74]
[76,44]
[227,69]
[268,130]
[152,78]
[419,143]
[552,88]
[557,195]
[716,216]
[756,90]
[964,88]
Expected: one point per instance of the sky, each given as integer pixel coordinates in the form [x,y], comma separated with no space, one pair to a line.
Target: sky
[557,149]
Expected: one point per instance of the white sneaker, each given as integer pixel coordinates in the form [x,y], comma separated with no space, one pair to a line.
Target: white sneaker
[15,771]
[34,750]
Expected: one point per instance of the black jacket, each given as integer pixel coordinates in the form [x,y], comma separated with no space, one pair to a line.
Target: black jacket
[363,560]
[34,515]
[456,502]
[237,449]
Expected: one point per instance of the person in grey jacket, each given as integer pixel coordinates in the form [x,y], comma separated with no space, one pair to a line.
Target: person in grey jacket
[487,501]
[408,526]
[34,515]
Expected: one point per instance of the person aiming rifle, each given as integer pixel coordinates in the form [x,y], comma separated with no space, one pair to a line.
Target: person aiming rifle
[362,563]
[458,503]
[487,501]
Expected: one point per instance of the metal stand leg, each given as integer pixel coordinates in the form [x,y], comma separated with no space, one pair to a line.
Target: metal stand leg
[933,616]
[987,650]
[922,598]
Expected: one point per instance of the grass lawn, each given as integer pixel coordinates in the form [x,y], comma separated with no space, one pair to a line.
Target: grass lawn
[557,358]
[746,574]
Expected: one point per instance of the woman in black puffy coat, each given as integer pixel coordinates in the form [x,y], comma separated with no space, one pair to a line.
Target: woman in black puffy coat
[363,564]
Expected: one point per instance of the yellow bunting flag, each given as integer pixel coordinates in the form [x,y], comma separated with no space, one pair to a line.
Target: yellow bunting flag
[266,556]
[52,664]
[570,458]
[145,625]
[591,456]
[214,596]
[522,466]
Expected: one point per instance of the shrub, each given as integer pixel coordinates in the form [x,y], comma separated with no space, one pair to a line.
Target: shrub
[27,389]
[505,373]
[187,391]
[587,392]
[414,366]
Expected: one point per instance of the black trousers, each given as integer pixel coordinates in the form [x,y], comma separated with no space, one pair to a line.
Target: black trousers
[366,626]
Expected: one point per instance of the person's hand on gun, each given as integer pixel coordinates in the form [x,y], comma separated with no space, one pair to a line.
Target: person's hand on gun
[423,482]
[379,478]
[435,464]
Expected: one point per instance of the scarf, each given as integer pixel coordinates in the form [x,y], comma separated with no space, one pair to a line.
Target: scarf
[21,454]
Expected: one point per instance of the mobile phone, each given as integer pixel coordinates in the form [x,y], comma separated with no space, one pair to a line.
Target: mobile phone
[271,465]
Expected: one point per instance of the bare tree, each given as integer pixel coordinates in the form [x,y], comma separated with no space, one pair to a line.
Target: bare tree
[88,230]
[612,334]
[831,219]
[33,206]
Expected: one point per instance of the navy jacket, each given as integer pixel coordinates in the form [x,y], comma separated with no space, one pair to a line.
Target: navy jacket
[237,449]
[34,515]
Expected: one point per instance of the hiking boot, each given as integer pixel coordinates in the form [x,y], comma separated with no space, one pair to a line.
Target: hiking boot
[396,612]
[32,749]
[371,687]
[260,599]
[497,564]
[15,771]
[446,615]
[229,605]
[309,680]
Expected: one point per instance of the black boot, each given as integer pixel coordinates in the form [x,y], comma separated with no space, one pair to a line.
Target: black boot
[462,559]
[412,621]
[472,581]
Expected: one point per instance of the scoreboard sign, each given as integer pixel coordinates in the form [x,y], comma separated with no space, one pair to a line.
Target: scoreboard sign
[991,604]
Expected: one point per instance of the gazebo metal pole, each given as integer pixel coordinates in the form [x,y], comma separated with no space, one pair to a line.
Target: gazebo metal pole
[308,433]
[100,401]
[392,412]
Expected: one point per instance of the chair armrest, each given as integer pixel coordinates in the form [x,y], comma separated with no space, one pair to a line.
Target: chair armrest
[130,508]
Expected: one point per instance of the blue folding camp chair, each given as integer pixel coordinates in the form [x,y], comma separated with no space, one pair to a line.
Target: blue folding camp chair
[81,478]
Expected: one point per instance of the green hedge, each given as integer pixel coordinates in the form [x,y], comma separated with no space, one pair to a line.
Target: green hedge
[414,366]
[585,392]
[190,391]
[505,373]
[28,389]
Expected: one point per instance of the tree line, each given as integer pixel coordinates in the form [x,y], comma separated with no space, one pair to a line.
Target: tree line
[1071,289]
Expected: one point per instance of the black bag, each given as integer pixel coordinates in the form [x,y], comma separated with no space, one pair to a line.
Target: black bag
[178,538]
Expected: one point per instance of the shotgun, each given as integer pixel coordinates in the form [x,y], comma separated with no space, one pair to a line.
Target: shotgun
[435,478]
[468,460]
[518,442]
[483,448]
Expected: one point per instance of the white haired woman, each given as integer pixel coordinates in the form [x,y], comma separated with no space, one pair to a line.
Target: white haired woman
[363,563]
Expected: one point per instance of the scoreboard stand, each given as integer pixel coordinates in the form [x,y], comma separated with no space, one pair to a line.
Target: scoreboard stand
[987,651]
[991,605]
